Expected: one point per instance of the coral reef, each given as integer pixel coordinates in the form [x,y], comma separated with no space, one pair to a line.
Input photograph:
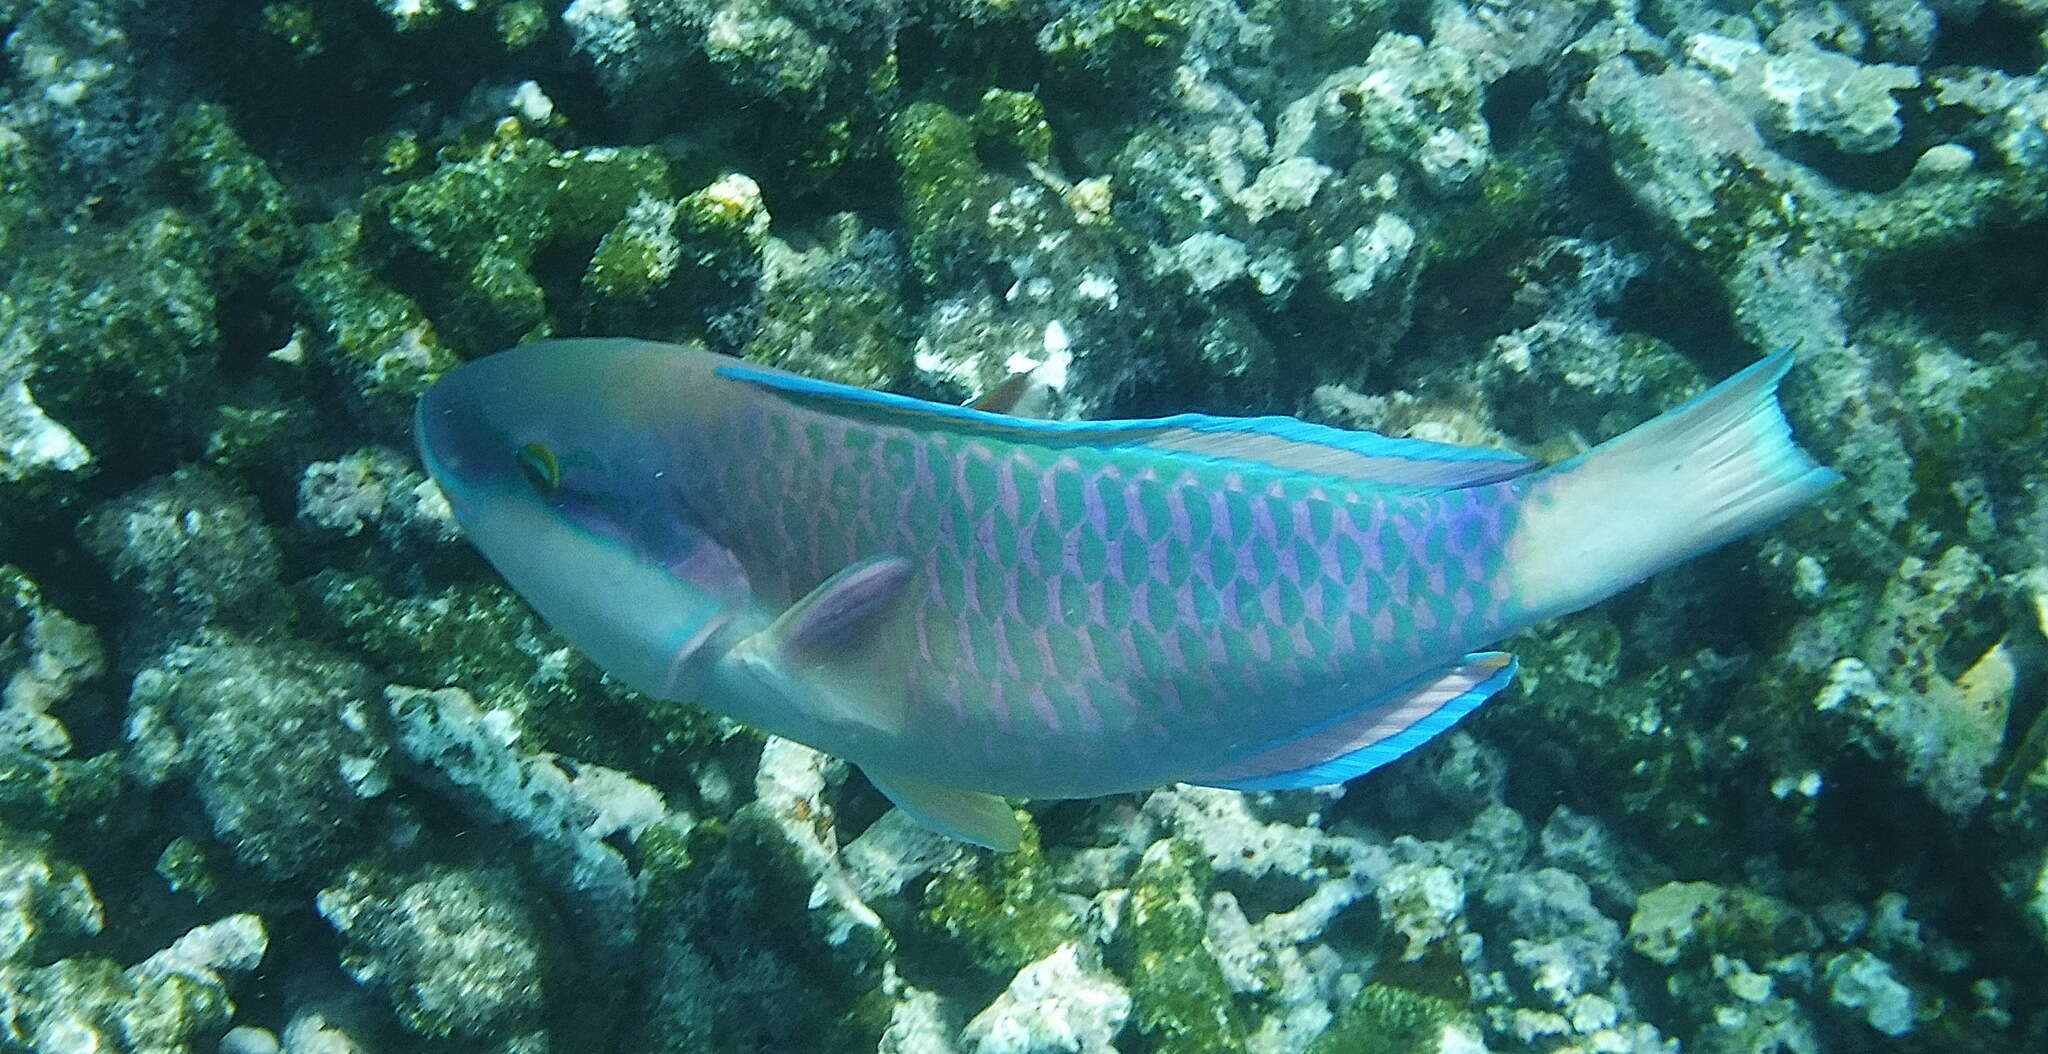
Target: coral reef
[170,1003]
[457,952]
[49,660]
[276,741]
[1056,1003]
[192,544]
[263,707]
[568,810]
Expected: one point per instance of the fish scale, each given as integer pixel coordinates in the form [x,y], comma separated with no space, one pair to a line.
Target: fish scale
[1293,602]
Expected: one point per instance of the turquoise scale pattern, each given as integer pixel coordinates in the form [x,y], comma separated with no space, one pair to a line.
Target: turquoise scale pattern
[1100,599]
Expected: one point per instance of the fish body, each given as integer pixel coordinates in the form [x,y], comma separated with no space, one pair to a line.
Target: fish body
[969,605]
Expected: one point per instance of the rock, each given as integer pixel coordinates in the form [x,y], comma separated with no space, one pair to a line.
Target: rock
[458,952]
[46,904]
[1809,91]
[1863,982]
[46,658]
[569,812]
[1057,1005]
[167,1004]
[193,543]
[278,741]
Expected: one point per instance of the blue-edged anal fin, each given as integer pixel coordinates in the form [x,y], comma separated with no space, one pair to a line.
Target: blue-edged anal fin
[971,816]
[1357,742]
[830,654]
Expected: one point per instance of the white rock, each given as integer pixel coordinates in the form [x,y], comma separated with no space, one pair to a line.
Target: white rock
[1862,981]
[1057,1005]
[235,944]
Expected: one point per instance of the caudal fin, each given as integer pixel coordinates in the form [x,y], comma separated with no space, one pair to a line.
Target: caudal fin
[1700,475]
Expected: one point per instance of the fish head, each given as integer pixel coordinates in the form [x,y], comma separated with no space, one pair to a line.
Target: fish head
[556,458]
[560,422]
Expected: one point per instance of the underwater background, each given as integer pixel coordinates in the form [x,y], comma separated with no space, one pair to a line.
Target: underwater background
[284,766]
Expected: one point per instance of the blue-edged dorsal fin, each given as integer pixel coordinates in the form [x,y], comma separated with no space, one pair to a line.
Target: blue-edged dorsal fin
[1364,739]
[970,816]
[1279,442]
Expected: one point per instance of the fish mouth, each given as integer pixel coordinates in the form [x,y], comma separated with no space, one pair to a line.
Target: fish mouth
[436,433]
[462,451]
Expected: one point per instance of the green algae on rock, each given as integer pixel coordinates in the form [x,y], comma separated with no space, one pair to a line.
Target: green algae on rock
[1383,1019]
[50,664]
[1178,997]
[1006,909]
[383,342]
[240,244]
[248,210]
[193,543]
[836,310]
[51,907]
[477,223]
[47,659]
[170,1003]
[122,332]
[702,253]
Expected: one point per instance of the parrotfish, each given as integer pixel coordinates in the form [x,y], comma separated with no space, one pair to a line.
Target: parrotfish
[972,606]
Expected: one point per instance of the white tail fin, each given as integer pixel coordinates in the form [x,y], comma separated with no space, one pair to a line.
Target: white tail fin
[1697,476]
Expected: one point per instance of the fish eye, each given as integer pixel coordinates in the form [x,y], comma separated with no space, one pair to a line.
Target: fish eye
[538,465]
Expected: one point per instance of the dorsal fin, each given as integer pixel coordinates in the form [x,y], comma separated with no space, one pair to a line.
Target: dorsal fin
[1007,396]
[1277,442]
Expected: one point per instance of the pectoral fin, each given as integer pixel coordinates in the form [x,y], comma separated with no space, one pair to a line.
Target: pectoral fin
[840,614]
[984,819]
[831,653]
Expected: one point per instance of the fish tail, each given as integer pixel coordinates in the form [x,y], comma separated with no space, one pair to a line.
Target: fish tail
[1696,477]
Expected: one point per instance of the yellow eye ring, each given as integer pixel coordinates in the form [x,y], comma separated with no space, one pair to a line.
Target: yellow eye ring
[537,463]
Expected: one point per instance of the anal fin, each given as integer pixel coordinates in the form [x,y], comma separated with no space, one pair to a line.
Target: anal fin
[971,816]
[1364,739]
